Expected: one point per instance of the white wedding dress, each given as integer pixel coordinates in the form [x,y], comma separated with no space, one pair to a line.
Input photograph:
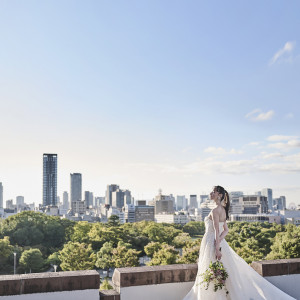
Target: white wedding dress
[243,282]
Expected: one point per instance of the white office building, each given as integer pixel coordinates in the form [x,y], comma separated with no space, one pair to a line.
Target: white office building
[177,218]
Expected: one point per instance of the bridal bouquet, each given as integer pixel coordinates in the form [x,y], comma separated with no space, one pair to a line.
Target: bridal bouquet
[216,274]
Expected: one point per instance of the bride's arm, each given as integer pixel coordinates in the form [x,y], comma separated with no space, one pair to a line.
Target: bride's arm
[224,233]
[215,217]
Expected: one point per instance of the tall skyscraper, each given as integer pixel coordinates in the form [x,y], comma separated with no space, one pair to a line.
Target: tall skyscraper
[181,203]
[1,195]
[99,201]
[117,198]
[108,197]
[65,200]
[269,194]
[193,203]
[49,179]
[20,201]
[88,198]
[76,187]
[283,199]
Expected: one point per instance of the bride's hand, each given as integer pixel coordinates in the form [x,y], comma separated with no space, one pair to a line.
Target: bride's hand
[218,255]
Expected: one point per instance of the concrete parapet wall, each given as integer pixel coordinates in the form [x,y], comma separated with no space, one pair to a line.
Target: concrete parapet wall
[277,267]
[49,282]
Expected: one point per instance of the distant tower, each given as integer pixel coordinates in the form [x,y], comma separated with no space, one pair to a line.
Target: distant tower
[1,195]
[49,179]
[108,197]
[88,198]
[269,194]
[20,201]
[76,187]
[193,202]
[66,200]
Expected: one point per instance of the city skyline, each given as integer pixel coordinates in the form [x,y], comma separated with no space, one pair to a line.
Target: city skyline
[76,188]
[178,96]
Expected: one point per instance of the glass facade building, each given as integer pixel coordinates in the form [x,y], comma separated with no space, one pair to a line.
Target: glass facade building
[49,179]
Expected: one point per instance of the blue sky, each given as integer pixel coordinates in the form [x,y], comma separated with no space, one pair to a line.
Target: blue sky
[151,94]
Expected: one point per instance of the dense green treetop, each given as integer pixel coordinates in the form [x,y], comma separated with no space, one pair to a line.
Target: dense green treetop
[32,261]
[83,245]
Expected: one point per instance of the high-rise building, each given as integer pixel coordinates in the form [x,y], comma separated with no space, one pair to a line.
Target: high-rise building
[65,200]
[193,202]
[20,201]
[283,199]
[163,204]
[127,197]
[49,179]
[1,195]
[99,201]
[88,198]
[181,203]
[253,204]
[9,204]
[129,213]
[118,198]
[279,203]
[269,194]
[110,188]
[76,187]
[203,198]
[236,205]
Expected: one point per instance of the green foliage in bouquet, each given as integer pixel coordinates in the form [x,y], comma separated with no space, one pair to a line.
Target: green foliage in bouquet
[216,274]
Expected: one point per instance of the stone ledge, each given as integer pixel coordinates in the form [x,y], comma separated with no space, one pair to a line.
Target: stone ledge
[126,277]
[109,295]
[277,267]
[48,282]
[135,276]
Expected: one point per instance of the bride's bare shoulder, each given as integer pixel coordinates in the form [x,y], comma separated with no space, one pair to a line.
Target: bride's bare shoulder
[217,210]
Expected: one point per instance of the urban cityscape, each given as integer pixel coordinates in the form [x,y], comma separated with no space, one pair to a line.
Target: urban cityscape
[79,205]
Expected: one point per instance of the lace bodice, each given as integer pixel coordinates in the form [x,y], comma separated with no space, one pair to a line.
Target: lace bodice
[209,226]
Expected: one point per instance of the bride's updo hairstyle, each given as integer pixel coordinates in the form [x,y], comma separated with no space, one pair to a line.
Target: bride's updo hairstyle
[225,198]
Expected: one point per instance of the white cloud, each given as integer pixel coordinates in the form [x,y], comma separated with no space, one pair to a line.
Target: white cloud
[295,143]
[217,166]
[280,168]
[278,138]
[257,115]
[272,155]
[221,151]
[286,50]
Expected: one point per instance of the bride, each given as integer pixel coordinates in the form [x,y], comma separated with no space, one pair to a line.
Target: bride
[243,283]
